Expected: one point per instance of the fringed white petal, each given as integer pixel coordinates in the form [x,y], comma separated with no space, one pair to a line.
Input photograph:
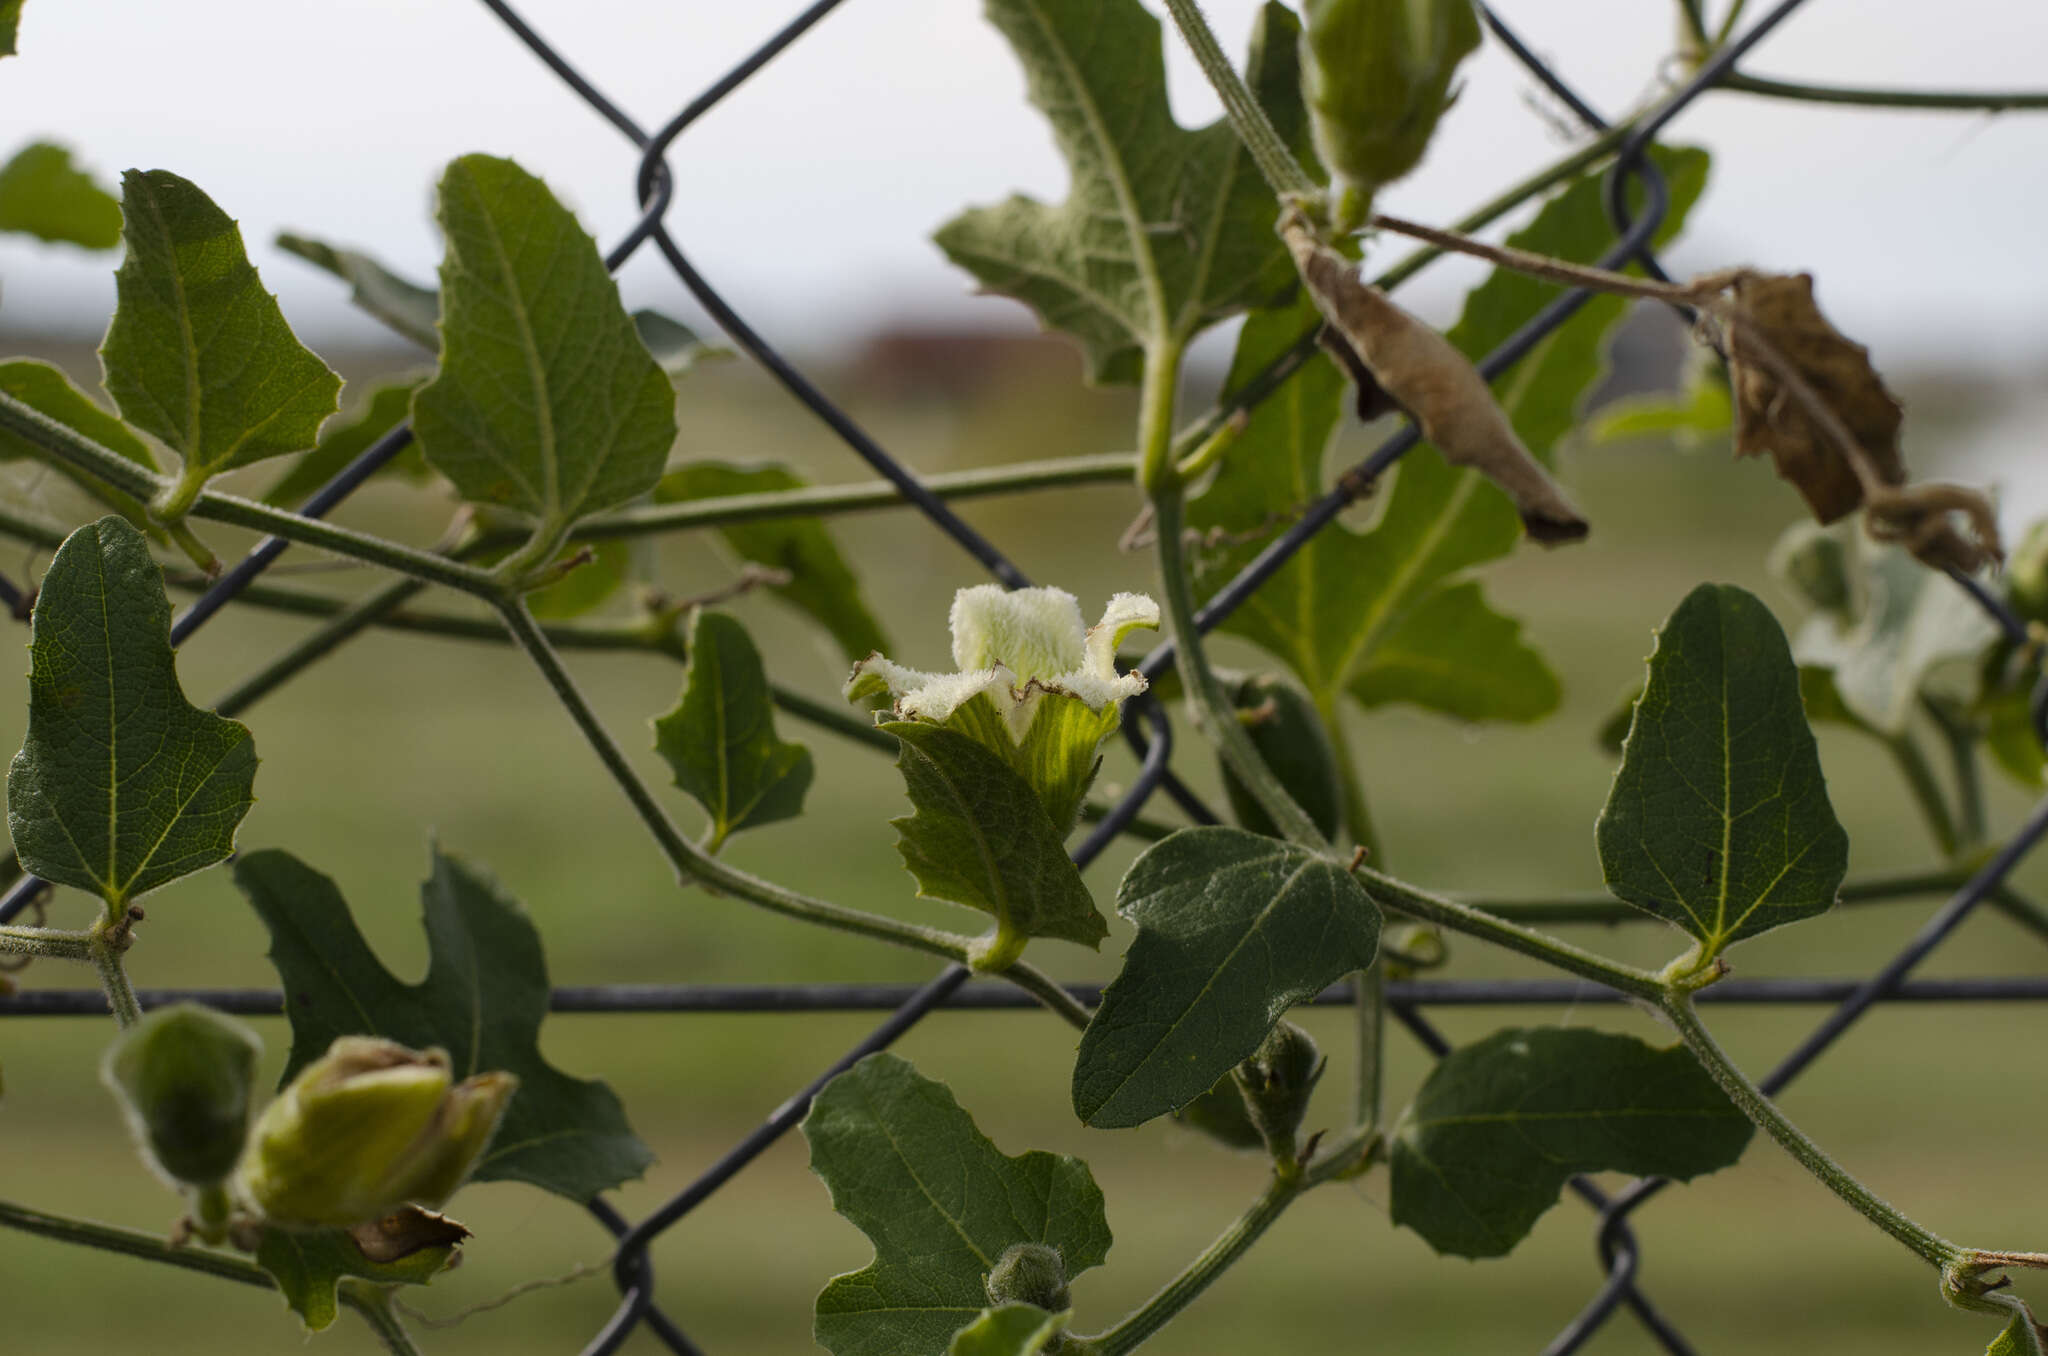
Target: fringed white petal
[1035,633]
[1126,613]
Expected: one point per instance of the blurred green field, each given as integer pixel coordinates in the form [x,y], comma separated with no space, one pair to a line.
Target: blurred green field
[402,738]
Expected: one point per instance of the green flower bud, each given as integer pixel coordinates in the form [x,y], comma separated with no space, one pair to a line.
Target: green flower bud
[183,1076]
[366,1128]
[1277,1081]
[1030,1273]
[1376,75]
[1289,735]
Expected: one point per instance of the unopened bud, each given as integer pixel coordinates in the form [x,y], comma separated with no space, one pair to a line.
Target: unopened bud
[183,1077]
[1277,1081]
[1030,1273]
[369,1127]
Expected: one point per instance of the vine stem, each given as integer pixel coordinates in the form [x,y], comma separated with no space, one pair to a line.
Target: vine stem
[374,1303]
[47,943]
[1157,1312]
[688,860]
[107,465]
[1283,173]
[1931,1247]
[1979,101]
[1927,794]
[104,945]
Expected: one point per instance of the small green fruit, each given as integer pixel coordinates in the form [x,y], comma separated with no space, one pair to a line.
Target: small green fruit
[183,1077]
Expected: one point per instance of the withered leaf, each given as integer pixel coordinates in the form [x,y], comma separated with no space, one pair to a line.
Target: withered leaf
[1419,370]
[1780,310]
[404,1232]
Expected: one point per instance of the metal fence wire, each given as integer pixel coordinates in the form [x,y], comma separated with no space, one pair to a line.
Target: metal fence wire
[1150,731]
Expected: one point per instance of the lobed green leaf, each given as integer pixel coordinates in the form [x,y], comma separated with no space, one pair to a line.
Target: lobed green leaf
[483,999]
[1719,820]
[1010,1330]
[121,785]
[198,354]
[720,740]
[546,401]
[1234,928]
[1165,231]
[1499,1126]
[906,1165]
[308,1265]
[44,195]
[821,585]
[980,837]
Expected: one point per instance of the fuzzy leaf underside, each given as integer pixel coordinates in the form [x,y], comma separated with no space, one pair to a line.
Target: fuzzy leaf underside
[821,584]
[1010,1330]
[980,837]
[1164,231]
[939,1202]
[720,740]
[1234,928]
[483,999]
[198,354]
[546,400]
[1500,1125]
[44,195]
[121,785]
[1351,610]
[1719,820]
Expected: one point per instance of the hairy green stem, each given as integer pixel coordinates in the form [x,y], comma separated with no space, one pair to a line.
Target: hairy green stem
[1281,1192]
[1369,987]
[374,1303]
[1049,992]
[1968,101]
[1927,794]
[46,943]
[1678,1006]
[683,855]
[1598,906]
[1960,737]
[104,946]
[1282,172]
[1404,898]
[111,467]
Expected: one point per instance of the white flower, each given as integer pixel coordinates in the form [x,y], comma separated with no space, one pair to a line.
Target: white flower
[1017,649]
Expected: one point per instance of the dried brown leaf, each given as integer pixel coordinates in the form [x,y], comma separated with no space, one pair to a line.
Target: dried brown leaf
[1419,370]
[1779,310]
[404,1232]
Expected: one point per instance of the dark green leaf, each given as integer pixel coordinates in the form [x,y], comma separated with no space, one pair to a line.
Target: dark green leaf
[1233,930]
[44,195]
[345,440]
[308,1264]
[1719,820]
[720,740]
[546,401]
[10,23]
[415,311]
[198,355]
[483,999]
[1164,231]
[121,784]
[1499,1126]
[48,391]
[981,838]
[1012,1330]
[939,1202]
[1348,600]
[821,585]
[1221,1114]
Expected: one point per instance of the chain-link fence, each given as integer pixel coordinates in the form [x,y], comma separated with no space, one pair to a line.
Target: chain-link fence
[1149,731]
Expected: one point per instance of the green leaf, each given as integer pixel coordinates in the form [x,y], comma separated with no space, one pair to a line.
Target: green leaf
[44,195]
[2008,723]
[483,1000]
[198,355]
[2021,1337]
[1058,756]
[587,587]
[720,740]
[1702,410]
[1348,600]
[48,391]
[546,401]
[1499,1126]
[415,311]
[121,784]
[345,440]
[980,837]
[1719,820]
[1164,231]
[939,1202]
[308,1265]
[1233,930]
[821,585]
[1012,1330]
[1903,629]
[10,23]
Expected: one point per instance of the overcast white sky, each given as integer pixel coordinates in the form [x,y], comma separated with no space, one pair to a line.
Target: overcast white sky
[810,194]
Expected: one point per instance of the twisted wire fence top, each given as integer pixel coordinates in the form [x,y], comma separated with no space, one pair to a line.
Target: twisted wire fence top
[1150,731]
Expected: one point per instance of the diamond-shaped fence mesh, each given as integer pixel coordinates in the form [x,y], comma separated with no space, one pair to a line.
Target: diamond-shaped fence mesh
[1150,731]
